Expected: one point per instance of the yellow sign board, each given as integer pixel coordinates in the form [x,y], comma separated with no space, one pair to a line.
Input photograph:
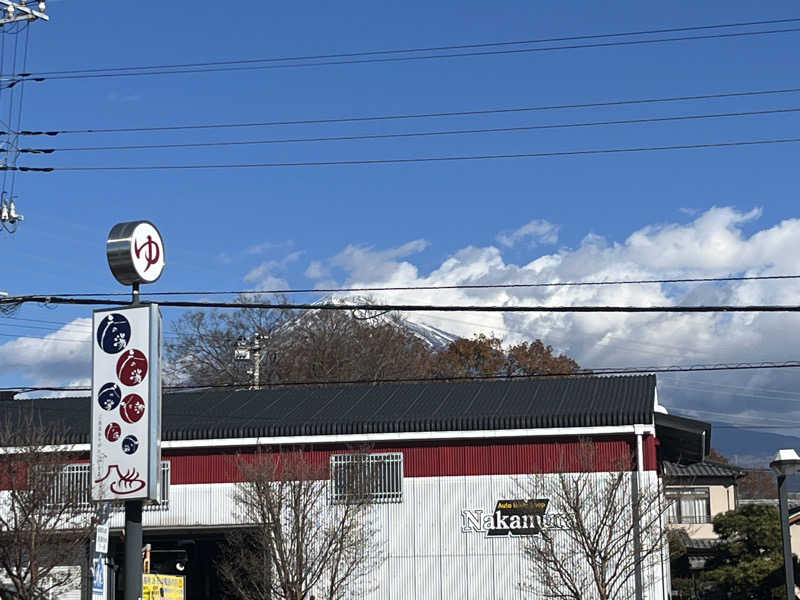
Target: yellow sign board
[163,587]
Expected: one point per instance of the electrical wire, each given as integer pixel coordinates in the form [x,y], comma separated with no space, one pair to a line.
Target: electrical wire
[407,160]
[66,327]
[143,70]
[21,103]
[46,339]
[464,286]
[738,388]
[354,119]
[742,391]
[413,133]
[53,300]
[428,49]
[570,374]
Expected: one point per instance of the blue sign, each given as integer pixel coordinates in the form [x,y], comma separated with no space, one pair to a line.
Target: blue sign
[98,577]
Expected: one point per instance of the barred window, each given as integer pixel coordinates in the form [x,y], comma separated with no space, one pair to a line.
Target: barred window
[688,505]
[375,478]
[74,481]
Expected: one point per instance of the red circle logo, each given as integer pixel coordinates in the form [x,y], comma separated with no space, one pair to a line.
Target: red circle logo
[113,431]
[132,408]
[132,367]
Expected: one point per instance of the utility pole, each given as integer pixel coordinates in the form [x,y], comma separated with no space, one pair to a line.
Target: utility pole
[22,12]
[19,11]
[250,352]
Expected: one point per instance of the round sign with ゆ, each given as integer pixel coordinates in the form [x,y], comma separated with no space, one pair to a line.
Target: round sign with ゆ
[135,252]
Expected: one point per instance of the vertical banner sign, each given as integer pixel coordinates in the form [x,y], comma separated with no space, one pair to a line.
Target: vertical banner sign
[99,587]
[126,403]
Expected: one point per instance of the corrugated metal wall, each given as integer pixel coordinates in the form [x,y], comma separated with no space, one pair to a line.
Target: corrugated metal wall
[428,557]
[471,457]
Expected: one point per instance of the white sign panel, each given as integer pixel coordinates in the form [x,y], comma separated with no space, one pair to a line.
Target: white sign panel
[101,540]
[126,403]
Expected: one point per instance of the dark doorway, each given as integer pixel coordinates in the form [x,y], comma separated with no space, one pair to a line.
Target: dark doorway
[188,553]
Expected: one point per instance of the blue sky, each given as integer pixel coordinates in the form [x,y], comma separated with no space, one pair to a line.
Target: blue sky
[677,213]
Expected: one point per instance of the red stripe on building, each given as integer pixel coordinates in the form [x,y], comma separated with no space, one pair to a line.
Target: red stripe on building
[437,459]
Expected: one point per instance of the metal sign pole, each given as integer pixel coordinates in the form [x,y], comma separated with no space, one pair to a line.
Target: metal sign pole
[134,540]
[133,549]
[126,390]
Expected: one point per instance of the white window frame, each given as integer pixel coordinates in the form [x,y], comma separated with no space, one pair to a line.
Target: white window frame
[387,487]
[675,514]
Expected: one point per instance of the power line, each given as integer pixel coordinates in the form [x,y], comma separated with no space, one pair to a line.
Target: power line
[75,328]
[407,160]
[424,49]
[139,71]
[46,339]
[741,391]
[67,327]
[412,134]
[465,286]
[16,301]
[738,388]
[353,119]
[579,373]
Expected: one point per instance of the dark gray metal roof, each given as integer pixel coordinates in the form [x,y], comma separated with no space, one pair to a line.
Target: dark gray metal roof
[384,408]
[683,440]
[708,468]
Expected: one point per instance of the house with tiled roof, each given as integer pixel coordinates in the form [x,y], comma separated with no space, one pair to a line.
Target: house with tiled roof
[697,492]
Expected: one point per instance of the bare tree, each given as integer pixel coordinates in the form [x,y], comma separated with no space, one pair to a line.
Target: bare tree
[44,518]
[339,346]
[329,346]
[314,346]
[202,349]
[304,535]
[609,534]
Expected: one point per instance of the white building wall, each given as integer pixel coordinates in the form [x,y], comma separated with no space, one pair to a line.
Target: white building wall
[427,555]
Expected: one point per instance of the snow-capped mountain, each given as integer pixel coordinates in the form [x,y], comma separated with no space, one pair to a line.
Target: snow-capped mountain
[432,336]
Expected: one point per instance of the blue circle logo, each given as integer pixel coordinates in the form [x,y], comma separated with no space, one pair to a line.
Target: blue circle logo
[109,396]
[114,333]
[130,444]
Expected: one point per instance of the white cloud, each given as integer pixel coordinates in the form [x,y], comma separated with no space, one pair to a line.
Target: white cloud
[63,355]
[537,231]
[365,263]
[266,275]
[266,246]
[712,244]
[316,270]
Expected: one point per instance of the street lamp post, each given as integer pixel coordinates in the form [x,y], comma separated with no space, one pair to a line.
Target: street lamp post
[786,462]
